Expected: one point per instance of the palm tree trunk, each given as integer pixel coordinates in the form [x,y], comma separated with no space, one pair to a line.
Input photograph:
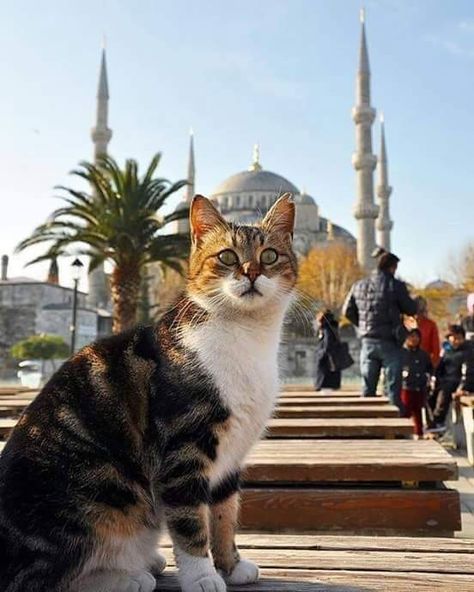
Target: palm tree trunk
[125,289]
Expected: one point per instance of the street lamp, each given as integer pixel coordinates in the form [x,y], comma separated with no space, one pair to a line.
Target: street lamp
[77,266]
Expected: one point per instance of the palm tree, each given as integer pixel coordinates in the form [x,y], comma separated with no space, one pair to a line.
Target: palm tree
[118,221]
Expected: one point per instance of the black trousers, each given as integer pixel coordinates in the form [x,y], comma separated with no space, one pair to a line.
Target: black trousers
[439,402]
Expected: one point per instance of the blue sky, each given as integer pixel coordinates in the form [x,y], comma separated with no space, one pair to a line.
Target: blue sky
[280,72]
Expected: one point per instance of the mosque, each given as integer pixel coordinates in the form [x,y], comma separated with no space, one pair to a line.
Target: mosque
[248,194]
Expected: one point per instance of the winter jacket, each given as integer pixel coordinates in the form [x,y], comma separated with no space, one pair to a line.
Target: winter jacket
[417,367]
[429,338]
[325,373]
[453,365]
[375,305]
[467,370]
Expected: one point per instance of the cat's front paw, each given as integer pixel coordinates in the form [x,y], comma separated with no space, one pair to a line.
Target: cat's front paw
[244,572]
[158,564]
[213,583]
[142,582]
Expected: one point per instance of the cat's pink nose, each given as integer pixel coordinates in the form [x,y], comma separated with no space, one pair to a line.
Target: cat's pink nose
[251,269]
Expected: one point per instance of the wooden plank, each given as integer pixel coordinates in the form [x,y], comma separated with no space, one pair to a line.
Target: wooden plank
[10,411]
[17,401]
[337,411]
[349,510]
[328,542]
[298,461]
[296,580]
[315,428]
[295,392]
[348,559]
[340,428]
[14,391]
[6,426]
[355,543]
[330,401]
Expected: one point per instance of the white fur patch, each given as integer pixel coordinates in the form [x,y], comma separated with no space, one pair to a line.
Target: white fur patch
[197,574]
[128,554]
[241,357]
[245,572]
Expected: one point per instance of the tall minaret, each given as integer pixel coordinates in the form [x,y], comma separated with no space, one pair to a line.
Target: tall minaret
[182,226]
[384,224]
[365,210]
[101,134]
[191,169]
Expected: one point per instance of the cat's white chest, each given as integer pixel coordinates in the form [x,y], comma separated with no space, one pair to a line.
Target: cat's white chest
[243,364]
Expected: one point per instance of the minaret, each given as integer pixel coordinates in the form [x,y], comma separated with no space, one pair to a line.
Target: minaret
[384,224]
[365,210]
[191,170]
[101,134]
[182,225]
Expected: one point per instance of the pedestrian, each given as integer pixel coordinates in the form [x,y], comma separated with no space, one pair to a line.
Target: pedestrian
[417,370]
[326,374]
[375,305]
[468,321]
[429,331]
[449,374]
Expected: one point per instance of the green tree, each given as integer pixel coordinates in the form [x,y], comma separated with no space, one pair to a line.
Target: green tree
[41,347]
[116,220]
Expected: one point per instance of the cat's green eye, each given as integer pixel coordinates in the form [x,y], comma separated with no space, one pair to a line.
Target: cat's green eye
[228,257]
[268,256]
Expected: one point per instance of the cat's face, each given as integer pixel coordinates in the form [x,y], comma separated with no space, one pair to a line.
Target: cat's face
[242,267]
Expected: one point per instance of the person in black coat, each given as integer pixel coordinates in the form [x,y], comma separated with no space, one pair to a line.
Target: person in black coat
[454,372]
[326,373]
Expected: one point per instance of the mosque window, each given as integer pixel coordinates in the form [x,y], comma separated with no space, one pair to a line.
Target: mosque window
[237,201]
[250,198]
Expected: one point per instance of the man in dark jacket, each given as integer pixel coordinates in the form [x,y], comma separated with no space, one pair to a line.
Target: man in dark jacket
[375,305]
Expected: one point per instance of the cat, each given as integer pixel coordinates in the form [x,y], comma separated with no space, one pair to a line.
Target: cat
[150,428]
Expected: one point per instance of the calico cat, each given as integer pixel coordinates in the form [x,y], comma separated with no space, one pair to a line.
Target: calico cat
[150,428]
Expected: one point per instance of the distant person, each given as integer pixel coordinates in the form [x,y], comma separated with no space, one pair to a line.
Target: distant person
[449,376]
[327,374]
[417,369]
[428,330]
[375,305]
[467,322]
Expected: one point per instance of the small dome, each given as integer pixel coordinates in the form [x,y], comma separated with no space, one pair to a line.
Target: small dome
[256,180]
[439,284]
[305,199]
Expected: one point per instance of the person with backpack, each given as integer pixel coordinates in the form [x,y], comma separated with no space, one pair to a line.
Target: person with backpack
[375,305]
[331,355]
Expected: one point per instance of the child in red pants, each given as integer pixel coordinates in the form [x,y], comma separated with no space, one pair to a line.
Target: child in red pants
[417,369]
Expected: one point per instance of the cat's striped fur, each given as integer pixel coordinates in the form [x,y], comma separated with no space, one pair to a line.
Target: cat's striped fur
[150,428]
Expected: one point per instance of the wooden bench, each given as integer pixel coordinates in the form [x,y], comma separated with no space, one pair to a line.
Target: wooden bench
[6,426]
[467,407]
[323,401]
[15,391]
[309,563]
[354,411]
[351,486]
[383,427]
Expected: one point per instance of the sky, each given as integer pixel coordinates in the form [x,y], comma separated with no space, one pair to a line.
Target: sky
[277,72]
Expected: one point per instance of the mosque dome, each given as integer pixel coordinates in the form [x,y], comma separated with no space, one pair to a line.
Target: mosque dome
[305,199]
[255,181]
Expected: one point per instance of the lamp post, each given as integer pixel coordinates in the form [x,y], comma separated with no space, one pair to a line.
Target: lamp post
[77,266]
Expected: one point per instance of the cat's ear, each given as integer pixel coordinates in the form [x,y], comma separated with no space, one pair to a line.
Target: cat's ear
[281,216]
[203,217]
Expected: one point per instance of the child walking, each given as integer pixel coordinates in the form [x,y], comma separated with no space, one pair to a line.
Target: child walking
[417,368]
